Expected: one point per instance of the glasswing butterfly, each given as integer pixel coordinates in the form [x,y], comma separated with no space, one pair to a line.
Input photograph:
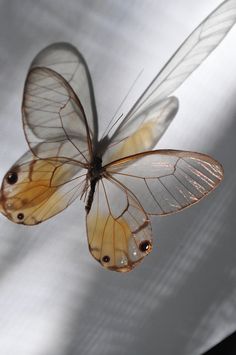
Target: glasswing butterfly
[119,177]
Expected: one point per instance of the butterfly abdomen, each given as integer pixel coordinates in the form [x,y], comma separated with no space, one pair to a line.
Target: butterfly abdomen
[91,194]
[94,175]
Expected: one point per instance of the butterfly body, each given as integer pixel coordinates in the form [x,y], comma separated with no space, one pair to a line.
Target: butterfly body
[121,179]
[94,175]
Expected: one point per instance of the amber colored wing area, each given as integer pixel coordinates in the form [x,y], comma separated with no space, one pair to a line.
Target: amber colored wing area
[53,117]
[166,181]
[34,189]
[153,183]
[143,132]
[118,229]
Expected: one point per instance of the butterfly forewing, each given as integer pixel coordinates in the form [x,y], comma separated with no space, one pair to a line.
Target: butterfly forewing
[67,61]
[166,181]
[53,117]
[118,229]
[194,50]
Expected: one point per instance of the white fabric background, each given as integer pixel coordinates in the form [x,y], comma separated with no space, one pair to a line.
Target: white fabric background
[54,298]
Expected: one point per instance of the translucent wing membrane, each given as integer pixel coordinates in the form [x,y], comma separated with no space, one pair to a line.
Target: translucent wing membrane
[52,113]
[121,179]
[118,229]
[202,41]
[144,130]
[34,189]
[166,181]
[67,61]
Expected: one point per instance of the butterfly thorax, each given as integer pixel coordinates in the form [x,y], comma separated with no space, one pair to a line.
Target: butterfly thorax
[94,174]
[95,168]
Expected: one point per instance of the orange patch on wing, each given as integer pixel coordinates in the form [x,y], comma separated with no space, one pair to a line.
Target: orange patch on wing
[37,183]
[139,141]
[112,242]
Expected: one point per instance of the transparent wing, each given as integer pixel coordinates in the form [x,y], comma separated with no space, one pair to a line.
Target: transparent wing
[166,181]
[150,124]
[119,234]
[195,49]
[34,190]
[67,61]
[53,117]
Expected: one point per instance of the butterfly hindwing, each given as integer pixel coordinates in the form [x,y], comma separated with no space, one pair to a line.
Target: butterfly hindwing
[144,131]
[118,229]
[35,189]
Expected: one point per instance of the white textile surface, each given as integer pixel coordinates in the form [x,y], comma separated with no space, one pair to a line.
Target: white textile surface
[54,298]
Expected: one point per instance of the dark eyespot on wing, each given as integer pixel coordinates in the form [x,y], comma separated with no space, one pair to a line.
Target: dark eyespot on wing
[11,177]
[40,188]
[145,246]
[116,225]
[20,216]
[106,259]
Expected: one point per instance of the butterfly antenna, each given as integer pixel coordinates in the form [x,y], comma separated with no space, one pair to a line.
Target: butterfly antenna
[111,126]
[111,123]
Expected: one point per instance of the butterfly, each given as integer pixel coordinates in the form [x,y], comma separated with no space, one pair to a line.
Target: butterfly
[121,180]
